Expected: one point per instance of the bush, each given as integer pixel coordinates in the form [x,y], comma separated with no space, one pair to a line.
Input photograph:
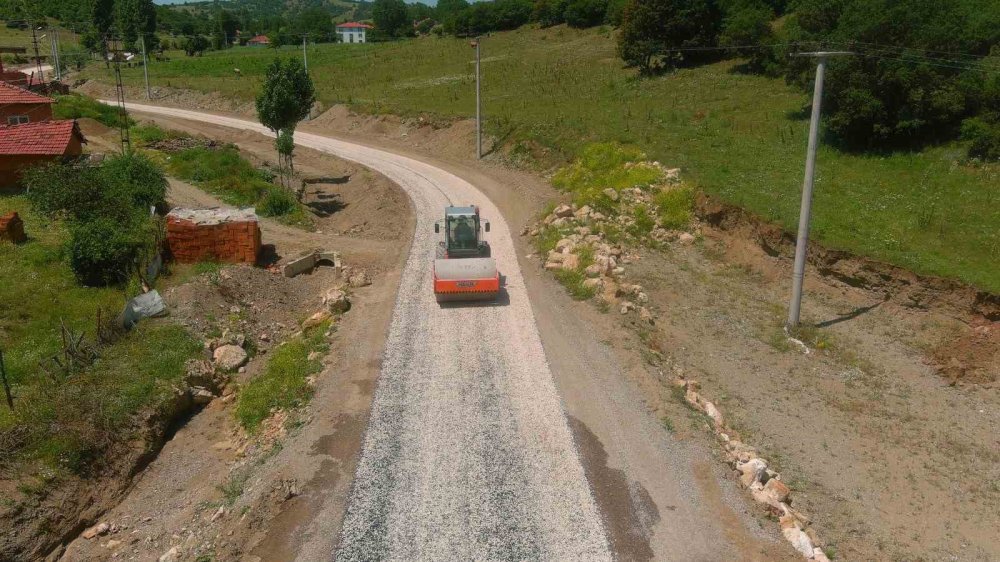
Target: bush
[549,12]
[57,190]
[605,165]
[985,138]
[277,202]
[134,177]
[652,30]
[673,207]
[586,13]
[105,251]
[76,106]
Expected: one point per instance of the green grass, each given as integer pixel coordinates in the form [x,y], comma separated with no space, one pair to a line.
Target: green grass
[226,174]
[283,383]
[60,423]
[737,136]
[76,106]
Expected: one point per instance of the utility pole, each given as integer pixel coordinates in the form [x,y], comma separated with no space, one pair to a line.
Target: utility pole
[476,44]
[802,242]
[145,65]
[54,50]
[38,57]
[305,58]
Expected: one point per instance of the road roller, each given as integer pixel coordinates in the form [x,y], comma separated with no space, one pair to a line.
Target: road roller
[464,269]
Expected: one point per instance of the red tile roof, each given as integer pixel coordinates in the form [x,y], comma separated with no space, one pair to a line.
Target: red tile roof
[259,39]
[354,24]
[47,138]
[12,94]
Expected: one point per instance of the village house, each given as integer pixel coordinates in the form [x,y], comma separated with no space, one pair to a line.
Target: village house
[18,106]
[258,41]
[25,145]
[353,32]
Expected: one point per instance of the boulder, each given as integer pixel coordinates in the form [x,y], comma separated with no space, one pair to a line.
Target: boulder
[793,532]
[645,315]
[686,238]
[553,266]
[583,212]
[564,244]
[229,357]
[611,194]
[556,257]
[172,555]
[776,492]
[627,307]
[595,284]
[563,211]
[315,320]
[201,396]
[593,271]
[101,528]
[751,472]
[714,413]
[336,301]
[571,262]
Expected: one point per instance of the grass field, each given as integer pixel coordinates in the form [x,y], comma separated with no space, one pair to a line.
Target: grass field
[59,421]
[737,136]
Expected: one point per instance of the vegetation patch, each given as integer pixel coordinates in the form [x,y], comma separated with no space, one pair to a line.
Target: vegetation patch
[284,383]
[77,106]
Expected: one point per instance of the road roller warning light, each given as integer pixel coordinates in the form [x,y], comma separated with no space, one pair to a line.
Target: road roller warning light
[464,269]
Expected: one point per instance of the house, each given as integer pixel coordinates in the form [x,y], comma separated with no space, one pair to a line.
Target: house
[258,41]
[33,143]
[353,32]
[18,105]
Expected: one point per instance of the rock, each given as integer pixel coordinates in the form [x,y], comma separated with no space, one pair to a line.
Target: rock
[595,284]
[316,319]
[230,357]
[627,307]
[564,244]
[618,271]
[641,297]
[793,532]
[172,555]
[336,301]
[96,531]
[597,217]
[219,513]
[112,544]
[571,262]
[819,555]
[560,222]
[583,212]
[611,194]
[555,256]
[359,279]
[751,472]
[610,294]
[553,266]
[582,230]
[686,238]
[593,271]
[314,356]
[714,413]
[563,211]
[525,231]
[776,491]
[645,315]
[201,396]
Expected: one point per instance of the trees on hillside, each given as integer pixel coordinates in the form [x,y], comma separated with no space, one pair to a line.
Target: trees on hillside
[658,34]
[286,98]
[585,13]
[392,18]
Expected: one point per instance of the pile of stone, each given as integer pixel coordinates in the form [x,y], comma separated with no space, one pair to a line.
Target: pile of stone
[223,235]
[754,474]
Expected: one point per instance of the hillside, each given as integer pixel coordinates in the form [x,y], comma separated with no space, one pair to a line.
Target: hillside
[549,92]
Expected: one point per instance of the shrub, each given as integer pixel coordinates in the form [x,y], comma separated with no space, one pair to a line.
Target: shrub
[984,137]
[673,206]
[134,177]
[56,190]
[549,12]
[277,202]
[104,250]
[605,165]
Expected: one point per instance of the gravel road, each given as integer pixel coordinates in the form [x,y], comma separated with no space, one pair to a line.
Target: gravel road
[468,454]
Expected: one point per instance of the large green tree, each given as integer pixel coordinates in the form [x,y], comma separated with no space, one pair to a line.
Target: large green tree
[658,34]
[286,98]
[392,18]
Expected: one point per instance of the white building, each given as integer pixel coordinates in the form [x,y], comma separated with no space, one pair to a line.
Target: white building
[353,32]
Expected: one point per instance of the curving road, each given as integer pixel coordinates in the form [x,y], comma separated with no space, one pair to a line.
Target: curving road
[467,454]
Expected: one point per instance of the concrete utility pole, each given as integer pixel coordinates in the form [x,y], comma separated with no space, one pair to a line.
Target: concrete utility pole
[54,50]
[807,186]
[305,58]
[476,44]
[145,66]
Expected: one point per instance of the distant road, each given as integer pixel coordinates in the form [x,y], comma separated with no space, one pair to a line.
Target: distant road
[467,455]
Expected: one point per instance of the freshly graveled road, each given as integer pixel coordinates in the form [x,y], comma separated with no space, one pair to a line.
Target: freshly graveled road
[467,454]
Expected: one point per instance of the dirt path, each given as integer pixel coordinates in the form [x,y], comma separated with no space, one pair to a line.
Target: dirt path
[693,512]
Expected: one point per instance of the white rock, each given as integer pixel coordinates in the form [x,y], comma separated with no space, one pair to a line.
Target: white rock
[627,307]
[230,357]
[201,396]
[593,270]
[611,194]
[595,284]
[571,261]
[819,555]
[793,532]
[315,320]
[563,211]
[172,555]
[563,244]
[97,530]
[714,413]
[686,238]
[645,315]
[751,471]
[336,301]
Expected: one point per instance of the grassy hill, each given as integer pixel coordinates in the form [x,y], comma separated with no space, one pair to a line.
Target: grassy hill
[737,136]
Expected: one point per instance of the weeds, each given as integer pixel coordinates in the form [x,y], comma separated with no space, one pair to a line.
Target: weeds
[573,281]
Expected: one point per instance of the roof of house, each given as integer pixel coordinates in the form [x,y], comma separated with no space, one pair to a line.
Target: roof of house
[45,138]
[10,93]
[354,24]
[259,39]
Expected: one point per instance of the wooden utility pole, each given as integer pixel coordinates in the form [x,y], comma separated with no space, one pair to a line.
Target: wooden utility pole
[6,385]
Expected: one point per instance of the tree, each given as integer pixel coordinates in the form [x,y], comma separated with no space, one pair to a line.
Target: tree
[286,98]
[195,45]
[654,32]
[448,9]
[549,12]
[392,18]
[745,29]
[586,13]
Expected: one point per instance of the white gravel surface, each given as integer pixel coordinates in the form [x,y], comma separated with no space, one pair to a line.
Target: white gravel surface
[467,454]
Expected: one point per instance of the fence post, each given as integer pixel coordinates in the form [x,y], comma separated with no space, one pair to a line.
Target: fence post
[6,385]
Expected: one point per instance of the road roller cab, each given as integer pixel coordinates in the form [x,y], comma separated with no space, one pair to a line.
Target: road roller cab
[464,269]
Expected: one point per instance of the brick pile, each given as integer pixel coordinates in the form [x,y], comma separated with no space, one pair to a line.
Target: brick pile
[224,235]
[12,228]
